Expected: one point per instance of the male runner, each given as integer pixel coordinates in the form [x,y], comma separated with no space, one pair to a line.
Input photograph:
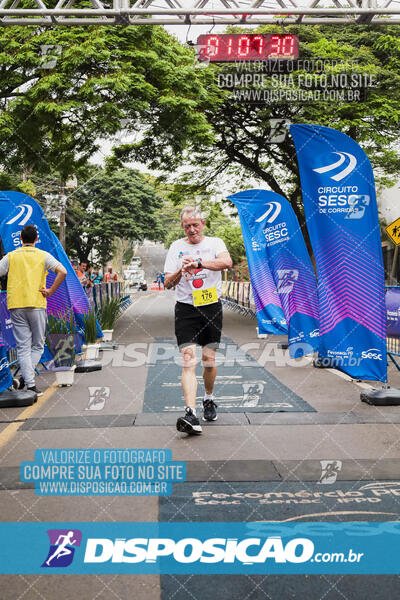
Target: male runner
[193,266]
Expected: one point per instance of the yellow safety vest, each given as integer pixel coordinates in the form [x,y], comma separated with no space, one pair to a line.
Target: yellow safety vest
[26,275]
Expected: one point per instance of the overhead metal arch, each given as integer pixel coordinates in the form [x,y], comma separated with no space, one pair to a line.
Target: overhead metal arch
[201,12]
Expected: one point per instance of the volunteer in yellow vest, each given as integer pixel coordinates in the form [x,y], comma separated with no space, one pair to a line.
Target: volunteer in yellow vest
[193,266]
[26,300]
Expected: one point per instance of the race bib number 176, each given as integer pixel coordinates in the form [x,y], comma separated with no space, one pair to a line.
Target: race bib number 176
[206,296]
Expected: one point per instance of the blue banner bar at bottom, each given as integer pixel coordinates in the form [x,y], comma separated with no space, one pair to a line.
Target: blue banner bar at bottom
[193,547]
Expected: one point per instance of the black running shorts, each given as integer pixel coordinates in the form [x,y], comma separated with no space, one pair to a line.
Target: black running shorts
[200,325]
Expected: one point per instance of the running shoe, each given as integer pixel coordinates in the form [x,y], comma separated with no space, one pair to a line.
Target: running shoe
[33,388]
[209,412]
[189,423]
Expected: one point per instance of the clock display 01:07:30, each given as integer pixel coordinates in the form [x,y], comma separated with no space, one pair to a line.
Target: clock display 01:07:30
[228,48]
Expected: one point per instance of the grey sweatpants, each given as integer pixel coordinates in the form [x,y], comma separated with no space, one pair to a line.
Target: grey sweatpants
[29,329]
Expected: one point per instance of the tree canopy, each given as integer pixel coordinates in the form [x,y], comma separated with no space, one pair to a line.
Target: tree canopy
[62,89]
[241,150]
[108,207]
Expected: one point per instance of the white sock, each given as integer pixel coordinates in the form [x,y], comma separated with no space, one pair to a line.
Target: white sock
[208,396]
[193,410]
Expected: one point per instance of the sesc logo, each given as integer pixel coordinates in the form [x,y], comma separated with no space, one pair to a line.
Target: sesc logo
[314,333]
[273,210]
[373,353]
[24,214]
[4,363]
[191,550]
[343,157]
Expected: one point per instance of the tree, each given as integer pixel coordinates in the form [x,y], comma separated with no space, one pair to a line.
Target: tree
[108,207]
[63,88]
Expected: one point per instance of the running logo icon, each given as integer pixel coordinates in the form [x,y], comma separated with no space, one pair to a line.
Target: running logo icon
[329,471]
[349,168]
[358,206]
[62,547]
[286,280]
[252,393]
[97,397]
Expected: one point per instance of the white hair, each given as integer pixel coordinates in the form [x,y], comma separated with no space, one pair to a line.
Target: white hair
[193,211]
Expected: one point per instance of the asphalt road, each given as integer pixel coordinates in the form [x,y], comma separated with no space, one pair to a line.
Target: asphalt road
[292,444]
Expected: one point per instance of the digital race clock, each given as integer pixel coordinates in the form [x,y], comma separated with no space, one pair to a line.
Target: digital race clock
[233,47]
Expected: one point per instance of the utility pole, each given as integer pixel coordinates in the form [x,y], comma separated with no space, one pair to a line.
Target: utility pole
[69,184]
[394,266]
[63,203]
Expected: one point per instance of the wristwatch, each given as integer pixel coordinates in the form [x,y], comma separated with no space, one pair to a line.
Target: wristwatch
[199,265]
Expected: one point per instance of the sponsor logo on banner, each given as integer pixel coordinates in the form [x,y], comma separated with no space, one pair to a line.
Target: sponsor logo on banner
[24,214]
[372,353]
[273,210]
[269,321]
[62,547]
[255,245]
[343,354]
[3,363]
[341,199]
[344,157]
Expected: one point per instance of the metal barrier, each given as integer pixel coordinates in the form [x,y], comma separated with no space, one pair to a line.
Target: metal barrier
[96,296]
[393,349]
[238,296]
[393,330]
[100,291]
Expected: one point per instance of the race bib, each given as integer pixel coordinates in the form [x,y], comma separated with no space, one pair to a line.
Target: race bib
[206,296]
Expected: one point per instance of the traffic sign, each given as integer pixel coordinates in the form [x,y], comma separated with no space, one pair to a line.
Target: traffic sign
[393,231]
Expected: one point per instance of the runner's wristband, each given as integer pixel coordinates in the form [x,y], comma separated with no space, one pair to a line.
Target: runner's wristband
[199,265]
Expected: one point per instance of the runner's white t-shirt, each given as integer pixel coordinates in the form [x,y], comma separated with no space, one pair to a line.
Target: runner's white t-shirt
[207,249]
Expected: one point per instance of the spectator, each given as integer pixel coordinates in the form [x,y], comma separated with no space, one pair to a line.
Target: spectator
[88,275]
[97,277]
[26,300]
[110,276]
[81,272]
